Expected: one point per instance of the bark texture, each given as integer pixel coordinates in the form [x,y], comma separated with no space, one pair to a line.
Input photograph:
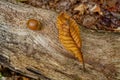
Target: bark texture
[39,54]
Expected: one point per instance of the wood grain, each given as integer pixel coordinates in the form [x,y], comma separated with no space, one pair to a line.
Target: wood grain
[39,54]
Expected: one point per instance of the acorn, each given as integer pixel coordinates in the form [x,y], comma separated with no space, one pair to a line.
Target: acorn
[33,24]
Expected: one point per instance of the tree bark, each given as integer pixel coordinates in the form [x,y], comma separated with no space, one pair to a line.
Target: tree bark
[39,54]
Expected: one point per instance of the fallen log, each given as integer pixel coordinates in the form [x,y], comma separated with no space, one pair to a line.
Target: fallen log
[39,54]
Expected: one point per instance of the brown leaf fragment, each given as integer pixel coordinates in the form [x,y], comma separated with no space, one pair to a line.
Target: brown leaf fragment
[97,9]
[82,8]
[69,35]
[111,3]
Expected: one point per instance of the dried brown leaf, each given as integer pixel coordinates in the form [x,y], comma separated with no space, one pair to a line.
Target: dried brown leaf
[97,9]
[69,35]
[82,8]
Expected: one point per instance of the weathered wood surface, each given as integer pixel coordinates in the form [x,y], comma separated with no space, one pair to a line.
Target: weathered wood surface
[24,50]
